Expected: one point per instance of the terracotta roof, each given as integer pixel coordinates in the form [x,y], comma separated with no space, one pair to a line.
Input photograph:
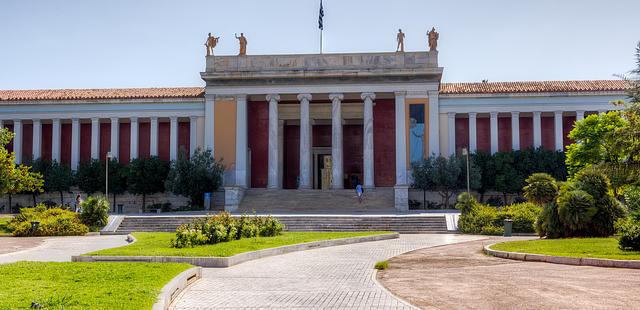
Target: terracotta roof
[534,87]
[107,93]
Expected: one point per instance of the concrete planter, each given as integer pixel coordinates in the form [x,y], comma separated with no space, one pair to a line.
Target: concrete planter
[222,262]
[563,260]
[178,284]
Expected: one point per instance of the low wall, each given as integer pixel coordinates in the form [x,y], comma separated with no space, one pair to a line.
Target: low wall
[221,262]
[178,284]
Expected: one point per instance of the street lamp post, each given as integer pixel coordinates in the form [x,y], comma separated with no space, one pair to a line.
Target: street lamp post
[106,176]
[466,152]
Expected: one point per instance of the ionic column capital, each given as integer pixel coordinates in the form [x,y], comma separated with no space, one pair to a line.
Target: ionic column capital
[273,97]
[114,119]
[365,96]
[558,113]
[515,114]
[173,118]
[336,96]
[493,114]
[451,114]
[153,118]
[133,119]
[306,97]
[193,118]
[473,114]
[95,119]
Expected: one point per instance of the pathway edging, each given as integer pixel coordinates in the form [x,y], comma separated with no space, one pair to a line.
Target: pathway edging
[213,262]
[178,284]
[564,260]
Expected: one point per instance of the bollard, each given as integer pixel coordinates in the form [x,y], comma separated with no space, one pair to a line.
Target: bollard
[508,227]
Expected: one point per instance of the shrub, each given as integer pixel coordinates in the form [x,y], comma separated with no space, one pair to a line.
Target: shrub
[629,230]
[632,198]
[575,210]
[492,230]
[524,216]
[593,182]
[488,220]
[541,188]
[465,202]
[95,212]
[53,222]
[480,216]
[548,222]
[223,228]
[382,265]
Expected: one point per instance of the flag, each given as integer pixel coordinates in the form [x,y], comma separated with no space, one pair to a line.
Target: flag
[320,16]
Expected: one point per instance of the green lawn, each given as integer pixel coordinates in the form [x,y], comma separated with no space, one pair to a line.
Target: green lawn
[3,226]
[84,285]
[578,247]
[157,244]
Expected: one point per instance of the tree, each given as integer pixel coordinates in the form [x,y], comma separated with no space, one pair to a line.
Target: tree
[42,167]
[508,179]
[59,178]
[541,188]
[195,176]
[445,177]
[90,177]
[118,174]
[485,164]
[147,176]
[421,173]
[15,178]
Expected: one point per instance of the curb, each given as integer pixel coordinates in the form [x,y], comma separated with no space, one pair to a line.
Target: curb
[222,262]
[178,284]
[563,260]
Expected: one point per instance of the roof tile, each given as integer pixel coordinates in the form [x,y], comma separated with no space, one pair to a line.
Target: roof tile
[534,87]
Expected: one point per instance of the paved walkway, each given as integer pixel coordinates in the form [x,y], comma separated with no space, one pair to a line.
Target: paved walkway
[60,249]
[338,277]
[459,276]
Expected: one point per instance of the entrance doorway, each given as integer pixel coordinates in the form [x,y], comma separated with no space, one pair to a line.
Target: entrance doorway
[322,168]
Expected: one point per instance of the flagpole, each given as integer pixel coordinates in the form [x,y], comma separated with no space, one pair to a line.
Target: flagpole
[320,41]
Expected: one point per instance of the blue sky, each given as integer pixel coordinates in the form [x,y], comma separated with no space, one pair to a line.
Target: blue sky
[144,43]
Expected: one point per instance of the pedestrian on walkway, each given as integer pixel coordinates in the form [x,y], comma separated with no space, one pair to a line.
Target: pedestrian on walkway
[360,193]
[78,204]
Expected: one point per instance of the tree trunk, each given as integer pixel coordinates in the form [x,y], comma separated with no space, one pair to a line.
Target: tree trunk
[10,203]
[114,203]
[61,200]
[424,199]
[144,199]
[34,198]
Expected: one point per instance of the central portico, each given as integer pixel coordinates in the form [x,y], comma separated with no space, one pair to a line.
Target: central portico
[325,121]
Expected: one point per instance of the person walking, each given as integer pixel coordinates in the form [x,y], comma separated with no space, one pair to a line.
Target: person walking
[78,203]
[360,192]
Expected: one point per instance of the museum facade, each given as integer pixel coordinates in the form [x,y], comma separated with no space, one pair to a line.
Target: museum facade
[318,121]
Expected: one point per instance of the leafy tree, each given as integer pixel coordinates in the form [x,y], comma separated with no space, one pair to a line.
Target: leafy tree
[90,177]
[42,167]
[541,188]
[484,162]
[445,177]
[59,178]
[422,177]
[508,179]
[195,176]
[118,174]
[15,178]
[147,176]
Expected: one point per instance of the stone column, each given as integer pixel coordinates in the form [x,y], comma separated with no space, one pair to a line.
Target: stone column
[451,124]
[515,131]
[115,137]
[209,119]
[153,136]
[305,142]
[1,123]
[336,141]
[401,189]
[434,123]
[494,132]
[75,143]
[241,141]
[367,154]
[173,138]
[537,130]
[579,115]
[558,130]
[37,139]
[134,138]
[55,140]
[280,153]
[95,138]
[193,134]
[17,140]
[473,136]
[274,158]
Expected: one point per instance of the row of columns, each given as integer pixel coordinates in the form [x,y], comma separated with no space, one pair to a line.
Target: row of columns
[337,172]
[95,138]
[515,130]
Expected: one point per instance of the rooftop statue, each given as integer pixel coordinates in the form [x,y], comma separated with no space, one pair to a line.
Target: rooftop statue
[211,44]
[433,39]
[400,39]
[243,43]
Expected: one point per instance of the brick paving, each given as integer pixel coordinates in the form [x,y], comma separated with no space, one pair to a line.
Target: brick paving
[338,277]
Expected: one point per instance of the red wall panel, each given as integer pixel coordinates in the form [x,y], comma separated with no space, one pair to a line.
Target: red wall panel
[144,140]
[184,129]
[462,134]
[85,142]
[27,143]
[258,130]
[291,156]
[124,143]
[526,133]
[321,135]
[105,140]
[352,148]
[504,134]
[65,144]
[483,134]
[384,143]
[548,132]
[164,132]
[567,126]
[46,142]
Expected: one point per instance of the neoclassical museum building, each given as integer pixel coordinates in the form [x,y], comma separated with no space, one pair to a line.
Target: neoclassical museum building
[317,121]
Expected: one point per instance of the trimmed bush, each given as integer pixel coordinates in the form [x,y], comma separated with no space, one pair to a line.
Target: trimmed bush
[548,223]
[629,231]
[541,188]
[632,198]
[523,215]
[465,202]
[95,212]
[223,228]
[53,222]
[576,209]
